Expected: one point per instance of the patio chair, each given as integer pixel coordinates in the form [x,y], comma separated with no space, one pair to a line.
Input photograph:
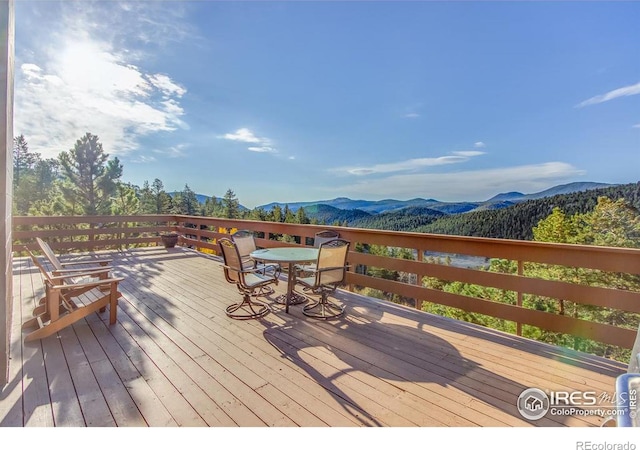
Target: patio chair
[61,268]
[320,238]
[324,236]
[247,281]
[329,273]
[246,243]
[67,302]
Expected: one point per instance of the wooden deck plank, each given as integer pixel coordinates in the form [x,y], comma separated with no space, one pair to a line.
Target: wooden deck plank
[64,398]
[202,405]
[150,406]
[91,399]
[175,358]
[11,408]
[36,397]
[525,354]
[121,405]
[207,391]
[171,398]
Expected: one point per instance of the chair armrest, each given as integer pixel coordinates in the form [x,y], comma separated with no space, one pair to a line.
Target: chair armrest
[106,281]
[102,262]
[325,269]
[255,269]
[83,271]
[77,274]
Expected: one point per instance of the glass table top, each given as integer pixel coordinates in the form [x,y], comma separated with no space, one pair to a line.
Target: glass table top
[286,254]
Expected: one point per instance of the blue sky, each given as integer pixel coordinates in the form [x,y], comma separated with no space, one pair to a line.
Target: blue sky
[297,101]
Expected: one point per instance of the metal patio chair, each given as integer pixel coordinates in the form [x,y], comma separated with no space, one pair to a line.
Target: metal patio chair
[246,243]
[247,281]
[329,273]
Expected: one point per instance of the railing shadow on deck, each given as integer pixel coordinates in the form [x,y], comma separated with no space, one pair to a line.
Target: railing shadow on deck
[356,341]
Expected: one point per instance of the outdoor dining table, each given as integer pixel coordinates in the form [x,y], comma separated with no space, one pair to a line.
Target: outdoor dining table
[290,256]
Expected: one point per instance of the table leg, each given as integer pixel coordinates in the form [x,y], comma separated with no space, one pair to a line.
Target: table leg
[290,285]
[290,298]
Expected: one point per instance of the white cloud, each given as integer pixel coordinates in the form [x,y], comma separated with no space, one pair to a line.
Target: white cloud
[247,136]
[469,153]
[465,185]
[410,164]
[479,144]
[177,151]
[243,135]
[76,80]
[143,159]
[621,92]
[263,149]
[412,115]
[166,85]
[637,125]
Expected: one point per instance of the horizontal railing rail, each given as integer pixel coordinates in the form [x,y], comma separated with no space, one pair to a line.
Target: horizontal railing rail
[91,232]
[201,233]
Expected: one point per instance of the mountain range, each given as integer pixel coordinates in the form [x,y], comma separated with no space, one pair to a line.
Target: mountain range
[380,206]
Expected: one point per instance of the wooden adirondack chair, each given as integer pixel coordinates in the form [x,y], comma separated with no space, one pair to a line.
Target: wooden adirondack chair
[71,297]
[60,268]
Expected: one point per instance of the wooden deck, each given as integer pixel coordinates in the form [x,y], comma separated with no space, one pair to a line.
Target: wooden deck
[175,359]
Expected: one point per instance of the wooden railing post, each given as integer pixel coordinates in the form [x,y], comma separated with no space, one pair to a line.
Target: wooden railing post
[519,299]
[419,258]
[91,236]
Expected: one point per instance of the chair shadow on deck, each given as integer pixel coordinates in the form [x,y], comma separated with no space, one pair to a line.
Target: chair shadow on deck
[413,360]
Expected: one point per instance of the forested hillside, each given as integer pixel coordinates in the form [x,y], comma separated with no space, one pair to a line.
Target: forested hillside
[517,221]
[329,214]
[403,220]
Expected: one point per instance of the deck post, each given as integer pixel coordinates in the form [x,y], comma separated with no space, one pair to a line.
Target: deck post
[519,300]
[6,179]
[420,258]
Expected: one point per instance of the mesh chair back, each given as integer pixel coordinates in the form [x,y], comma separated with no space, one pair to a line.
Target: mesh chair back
[232,261]
[332,256]
[245,242]
[324,236]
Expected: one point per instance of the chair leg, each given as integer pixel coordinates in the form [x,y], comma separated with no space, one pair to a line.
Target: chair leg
[247,309]
[323,309]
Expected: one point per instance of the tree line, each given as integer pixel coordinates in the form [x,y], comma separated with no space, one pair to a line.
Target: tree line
[86,181]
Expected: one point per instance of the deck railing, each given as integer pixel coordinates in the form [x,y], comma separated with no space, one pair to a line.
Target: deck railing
[102,232]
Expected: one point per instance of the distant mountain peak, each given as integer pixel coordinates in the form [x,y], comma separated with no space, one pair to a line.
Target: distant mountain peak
[567,188]
[506,196]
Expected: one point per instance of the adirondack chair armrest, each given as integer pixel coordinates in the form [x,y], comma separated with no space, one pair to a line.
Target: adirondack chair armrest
[97,283]
[94,261]
[84,273]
